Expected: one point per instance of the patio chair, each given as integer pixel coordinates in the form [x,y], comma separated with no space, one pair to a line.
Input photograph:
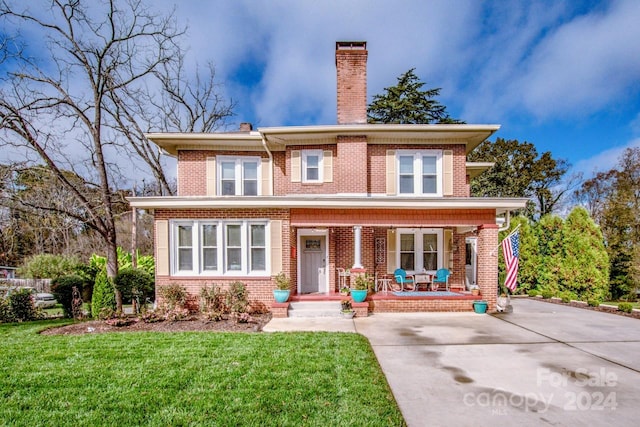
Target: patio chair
[442,277]
[403,279]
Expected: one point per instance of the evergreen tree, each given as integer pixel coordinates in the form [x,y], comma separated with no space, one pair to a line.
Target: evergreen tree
[103,294]
[585,268]
[406,103]
[551,253]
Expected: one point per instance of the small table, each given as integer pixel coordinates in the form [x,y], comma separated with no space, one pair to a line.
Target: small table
[383,285]
[425,279]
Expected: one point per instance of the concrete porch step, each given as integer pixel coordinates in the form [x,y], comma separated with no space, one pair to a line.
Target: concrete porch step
[314,309]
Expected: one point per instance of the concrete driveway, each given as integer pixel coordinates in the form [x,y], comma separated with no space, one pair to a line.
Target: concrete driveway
[543,364]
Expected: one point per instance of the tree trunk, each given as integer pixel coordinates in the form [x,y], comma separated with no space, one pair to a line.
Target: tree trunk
[112,268]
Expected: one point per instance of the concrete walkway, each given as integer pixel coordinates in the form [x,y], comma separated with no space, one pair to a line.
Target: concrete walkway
[543,364]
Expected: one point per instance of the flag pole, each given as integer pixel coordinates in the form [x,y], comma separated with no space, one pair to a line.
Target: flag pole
[508,235]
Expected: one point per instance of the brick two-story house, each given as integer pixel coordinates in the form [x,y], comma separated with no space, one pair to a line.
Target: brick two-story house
[308,200]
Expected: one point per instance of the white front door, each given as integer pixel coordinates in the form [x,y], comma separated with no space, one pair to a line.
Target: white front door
[312,264]
[471,259]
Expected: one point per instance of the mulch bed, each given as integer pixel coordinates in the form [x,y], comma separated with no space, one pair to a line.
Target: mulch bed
[194,323]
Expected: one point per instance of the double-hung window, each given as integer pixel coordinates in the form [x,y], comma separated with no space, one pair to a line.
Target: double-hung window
[420,249]
[218,248]
[238,176]
[420,172]
[312,165]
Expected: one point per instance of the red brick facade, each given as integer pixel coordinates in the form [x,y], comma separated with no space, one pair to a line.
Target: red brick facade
[356,165]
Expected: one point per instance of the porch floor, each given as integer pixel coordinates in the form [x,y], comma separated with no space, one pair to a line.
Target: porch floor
[382,302]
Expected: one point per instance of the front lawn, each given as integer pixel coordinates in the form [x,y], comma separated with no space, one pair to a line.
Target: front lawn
[193,378]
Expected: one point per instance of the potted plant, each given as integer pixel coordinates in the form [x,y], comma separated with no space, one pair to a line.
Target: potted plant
[283,283]
[475,290]
[360,287]
[344,290]
[347,309]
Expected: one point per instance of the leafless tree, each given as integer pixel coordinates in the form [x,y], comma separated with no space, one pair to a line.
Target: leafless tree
[67,110]
[182,104]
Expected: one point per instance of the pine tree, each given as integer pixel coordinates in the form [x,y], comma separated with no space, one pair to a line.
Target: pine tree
[406,103]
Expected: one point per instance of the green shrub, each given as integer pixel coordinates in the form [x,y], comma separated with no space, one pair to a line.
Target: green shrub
[533,292]
[593,302]
[22,305]
[546,294]
[567,296]
[237,301]
[212,299]
[62,289]
[47,266]
[134,283]
[103,295]
[174,296]
[627,307]
[6,314]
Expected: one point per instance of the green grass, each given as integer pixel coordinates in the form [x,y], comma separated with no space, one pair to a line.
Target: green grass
[190,379]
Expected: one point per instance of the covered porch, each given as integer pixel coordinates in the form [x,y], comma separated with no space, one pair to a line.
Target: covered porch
[330,247]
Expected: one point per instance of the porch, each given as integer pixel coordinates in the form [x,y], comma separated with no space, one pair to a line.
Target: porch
[391,302]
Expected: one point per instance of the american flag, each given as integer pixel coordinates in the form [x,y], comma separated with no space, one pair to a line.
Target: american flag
[511,250]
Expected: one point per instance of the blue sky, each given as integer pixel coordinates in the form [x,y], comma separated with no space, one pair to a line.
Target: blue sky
[564,75]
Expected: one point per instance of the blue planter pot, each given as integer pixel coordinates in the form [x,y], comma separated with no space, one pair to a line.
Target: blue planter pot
[358,295]
[480,307]
[281,295]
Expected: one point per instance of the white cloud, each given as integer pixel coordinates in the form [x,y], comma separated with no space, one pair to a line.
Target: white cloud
[605,160]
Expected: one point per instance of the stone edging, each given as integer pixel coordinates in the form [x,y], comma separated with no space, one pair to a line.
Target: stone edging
[635,313]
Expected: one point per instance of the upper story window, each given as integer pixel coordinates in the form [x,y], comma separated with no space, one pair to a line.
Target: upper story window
[238,176]
[420,172]
[312,164]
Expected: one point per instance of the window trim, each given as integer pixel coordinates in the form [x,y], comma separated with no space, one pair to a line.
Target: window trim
[197,249]
[239,179]
[307,153]
[417,171]
[418,260]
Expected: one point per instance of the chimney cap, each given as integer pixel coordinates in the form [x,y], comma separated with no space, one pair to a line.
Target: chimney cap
[351,45]
[246,127]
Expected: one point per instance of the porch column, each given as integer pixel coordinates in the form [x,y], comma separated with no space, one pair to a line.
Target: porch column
[487,278]
[357,246]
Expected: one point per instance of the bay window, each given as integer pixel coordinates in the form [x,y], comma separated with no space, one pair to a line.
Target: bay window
[218,248]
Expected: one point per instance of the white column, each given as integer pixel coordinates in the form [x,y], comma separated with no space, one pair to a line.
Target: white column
[357,246]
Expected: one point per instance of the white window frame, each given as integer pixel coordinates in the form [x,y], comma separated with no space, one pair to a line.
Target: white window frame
[239,179]
[197,249]
[417,171]
[418,261]
[308,153]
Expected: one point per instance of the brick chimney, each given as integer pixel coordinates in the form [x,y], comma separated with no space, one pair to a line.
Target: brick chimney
[351,65]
